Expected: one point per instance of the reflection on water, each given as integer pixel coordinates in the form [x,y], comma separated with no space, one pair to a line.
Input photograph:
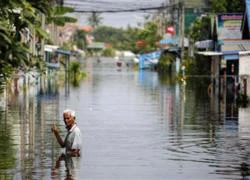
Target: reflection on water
[136,125]
[70,163]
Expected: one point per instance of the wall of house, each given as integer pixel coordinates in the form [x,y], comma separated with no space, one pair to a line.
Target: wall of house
[244,70]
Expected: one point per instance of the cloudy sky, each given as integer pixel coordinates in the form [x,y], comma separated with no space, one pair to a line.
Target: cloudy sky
[118,19]
[115,19]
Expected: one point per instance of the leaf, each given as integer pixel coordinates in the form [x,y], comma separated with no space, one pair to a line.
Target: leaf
[5,38]
[61,20]
[42,33]
[61,10]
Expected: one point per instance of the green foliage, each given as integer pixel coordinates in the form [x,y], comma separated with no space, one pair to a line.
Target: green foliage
[57,16]
[200,29]
[40,5]
[150,36]
[41,33]
[242,100]
[126,39]
[94,19]
[236,6]
[68,45]
[79,38]
[62,10]
[110,35]
[75,73]
[75,67]
[223,6]
[165,62]
[16,17]
[108,52]
[218,6]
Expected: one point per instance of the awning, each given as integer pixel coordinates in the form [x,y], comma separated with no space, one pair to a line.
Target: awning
[50,48]
[244,53]
[210,53]
[174,40]
[204,44]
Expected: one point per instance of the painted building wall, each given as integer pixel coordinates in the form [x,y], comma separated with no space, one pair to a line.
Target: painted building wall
[244,70]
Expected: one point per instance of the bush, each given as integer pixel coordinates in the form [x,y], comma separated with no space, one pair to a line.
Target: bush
[75,67]
[165,62]
[108,52]
[242,100]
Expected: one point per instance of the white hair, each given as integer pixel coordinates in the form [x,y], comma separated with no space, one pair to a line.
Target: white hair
[71,112]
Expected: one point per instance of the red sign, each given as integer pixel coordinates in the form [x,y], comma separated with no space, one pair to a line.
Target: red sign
[170,30]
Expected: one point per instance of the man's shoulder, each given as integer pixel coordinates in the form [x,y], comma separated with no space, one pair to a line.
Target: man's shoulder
[77,129]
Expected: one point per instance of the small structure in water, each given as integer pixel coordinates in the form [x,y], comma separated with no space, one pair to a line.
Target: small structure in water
[149,60]
[53,56]
[119,64]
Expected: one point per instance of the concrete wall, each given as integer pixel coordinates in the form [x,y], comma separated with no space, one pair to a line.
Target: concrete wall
[244,70]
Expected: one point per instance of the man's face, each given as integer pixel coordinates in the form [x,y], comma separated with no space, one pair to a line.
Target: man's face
[68,120]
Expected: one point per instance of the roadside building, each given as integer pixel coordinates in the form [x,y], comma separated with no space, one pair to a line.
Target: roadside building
[227,48]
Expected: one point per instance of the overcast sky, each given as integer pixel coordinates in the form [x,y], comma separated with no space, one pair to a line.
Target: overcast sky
[121,19]
[115,19]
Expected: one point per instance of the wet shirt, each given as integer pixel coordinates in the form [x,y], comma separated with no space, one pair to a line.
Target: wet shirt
[73,139]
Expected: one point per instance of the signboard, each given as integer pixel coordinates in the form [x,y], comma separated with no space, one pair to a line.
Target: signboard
[229,26]
[96,45]
[244,64]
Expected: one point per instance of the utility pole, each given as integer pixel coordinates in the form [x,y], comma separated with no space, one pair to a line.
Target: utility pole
[172,12]
[163,23]
[181,15]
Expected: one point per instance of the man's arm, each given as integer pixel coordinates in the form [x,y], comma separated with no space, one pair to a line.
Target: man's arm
[58,137]
[73,152]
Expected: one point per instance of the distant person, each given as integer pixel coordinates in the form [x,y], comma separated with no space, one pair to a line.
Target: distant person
[231,80]
[72,141]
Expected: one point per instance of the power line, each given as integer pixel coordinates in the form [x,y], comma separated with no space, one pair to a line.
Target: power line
[110,4]
[123,10]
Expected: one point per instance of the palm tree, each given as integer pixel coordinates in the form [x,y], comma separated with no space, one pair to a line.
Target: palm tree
[95,19]
[57,18]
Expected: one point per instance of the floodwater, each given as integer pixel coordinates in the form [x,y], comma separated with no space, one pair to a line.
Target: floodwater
[135,125]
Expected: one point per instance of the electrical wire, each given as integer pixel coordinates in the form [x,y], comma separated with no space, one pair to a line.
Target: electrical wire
[111,6]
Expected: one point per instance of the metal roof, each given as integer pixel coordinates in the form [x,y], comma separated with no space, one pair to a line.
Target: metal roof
[235,45]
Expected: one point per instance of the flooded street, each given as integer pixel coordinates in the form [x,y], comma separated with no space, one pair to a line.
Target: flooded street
[135,125]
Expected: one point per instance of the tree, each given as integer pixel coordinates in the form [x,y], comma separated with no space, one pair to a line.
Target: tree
[200,29]
[126,39]
[229,6]
[218,6]
[150,35]
[80,38]
[95,19]
[236,6]
[109,35]
[57,16]
[17,17]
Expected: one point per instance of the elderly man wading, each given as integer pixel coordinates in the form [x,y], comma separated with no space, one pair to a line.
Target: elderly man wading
[72,142]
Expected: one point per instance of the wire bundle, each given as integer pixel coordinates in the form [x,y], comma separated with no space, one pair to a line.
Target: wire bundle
[111,6]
